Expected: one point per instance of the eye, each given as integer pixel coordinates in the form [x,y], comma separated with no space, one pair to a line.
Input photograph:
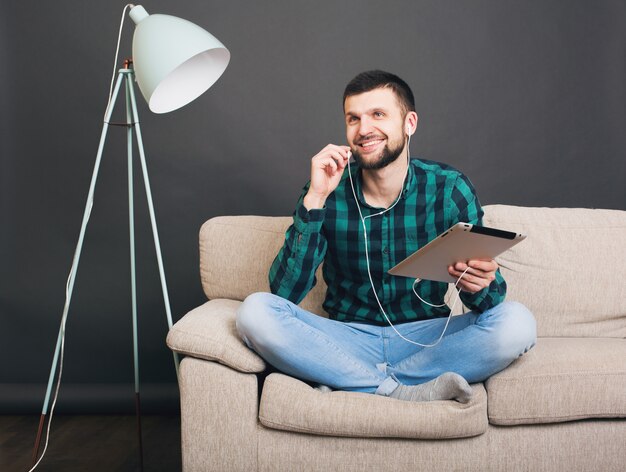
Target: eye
[352,119]
[379,114]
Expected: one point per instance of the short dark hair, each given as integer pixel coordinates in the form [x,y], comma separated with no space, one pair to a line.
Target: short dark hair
[373,79]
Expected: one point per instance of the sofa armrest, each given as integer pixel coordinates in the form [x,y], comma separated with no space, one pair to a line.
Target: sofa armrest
[219,417]
[209,332]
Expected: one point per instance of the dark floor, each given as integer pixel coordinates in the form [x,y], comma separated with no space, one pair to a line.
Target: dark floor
[91,443]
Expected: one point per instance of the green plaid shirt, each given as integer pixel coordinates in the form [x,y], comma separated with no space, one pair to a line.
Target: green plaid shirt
[435,197]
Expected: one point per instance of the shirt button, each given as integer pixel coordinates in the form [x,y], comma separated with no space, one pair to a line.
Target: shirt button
[385,250]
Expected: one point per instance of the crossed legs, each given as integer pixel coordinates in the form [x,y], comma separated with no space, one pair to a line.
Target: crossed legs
[374,359]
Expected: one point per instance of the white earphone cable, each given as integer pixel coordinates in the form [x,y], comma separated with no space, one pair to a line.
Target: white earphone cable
[367,260]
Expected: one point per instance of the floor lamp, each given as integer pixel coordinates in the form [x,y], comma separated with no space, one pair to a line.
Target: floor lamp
[174,62]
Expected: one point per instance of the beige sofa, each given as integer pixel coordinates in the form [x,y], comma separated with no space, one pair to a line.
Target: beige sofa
[559,407]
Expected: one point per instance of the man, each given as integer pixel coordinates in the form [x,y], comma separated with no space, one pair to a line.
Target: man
[401,204]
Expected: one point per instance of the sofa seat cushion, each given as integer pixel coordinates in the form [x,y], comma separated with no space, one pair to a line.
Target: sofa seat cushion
[561,379]
[291,405]
[209,332]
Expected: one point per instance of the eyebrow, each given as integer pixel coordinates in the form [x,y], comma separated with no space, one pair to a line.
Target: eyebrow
[370,111]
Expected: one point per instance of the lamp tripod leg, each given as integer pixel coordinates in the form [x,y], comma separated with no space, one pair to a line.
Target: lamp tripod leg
[139,436]
[155,233]
[133,278]
[42,420]
[72,277]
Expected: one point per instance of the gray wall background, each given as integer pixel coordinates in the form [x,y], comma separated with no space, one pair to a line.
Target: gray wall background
[525,97]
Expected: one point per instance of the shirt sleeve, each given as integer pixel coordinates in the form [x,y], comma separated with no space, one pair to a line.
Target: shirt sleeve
[292,273]
[465,207]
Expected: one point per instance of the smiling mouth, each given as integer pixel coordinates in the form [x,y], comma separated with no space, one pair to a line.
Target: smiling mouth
[370,144]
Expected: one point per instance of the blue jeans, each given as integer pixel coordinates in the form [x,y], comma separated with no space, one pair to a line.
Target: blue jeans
[374,359]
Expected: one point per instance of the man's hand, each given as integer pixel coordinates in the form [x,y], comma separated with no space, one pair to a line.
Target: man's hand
[326,170]
[480,274]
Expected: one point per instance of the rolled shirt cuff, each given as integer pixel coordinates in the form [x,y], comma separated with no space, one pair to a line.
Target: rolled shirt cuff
[309,221]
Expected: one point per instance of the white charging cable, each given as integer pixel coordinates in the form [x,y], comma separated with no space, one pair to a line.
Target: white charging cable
[367,260]
[72,275]
[117,50]
[58,385]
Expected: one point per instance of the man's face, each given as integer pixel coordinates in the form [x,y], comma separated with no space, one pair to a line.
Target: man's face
[375,128]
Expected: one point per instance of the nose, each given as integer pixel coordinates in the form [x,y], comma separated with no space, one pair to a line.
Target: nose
[365,127]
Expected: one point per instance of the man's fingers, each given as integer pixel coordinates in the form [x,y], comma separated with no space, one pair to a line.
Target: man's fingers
[469,287]
[333,148]
[475,279]
[459,268]
[484,265]
[329,164]
[477,265]
[338,155]
[327,167]
[341,158]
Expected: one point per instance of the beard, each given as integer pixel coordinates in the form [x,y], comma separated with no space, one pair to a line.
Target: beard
[386,157]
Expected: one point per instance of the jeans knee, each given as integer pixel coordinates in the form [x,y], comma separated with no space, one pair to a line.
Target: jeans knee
[256,319]
[251,313]
[519,330]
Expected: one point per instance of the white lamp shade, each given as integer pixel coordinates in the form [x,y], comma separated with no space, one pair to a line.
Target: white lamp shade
[175,61]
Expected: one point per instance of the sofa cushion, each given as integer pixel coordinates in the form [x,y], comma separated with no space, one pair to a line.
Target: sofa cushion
[561,379]
[291,405]
[209,332]
[569,271]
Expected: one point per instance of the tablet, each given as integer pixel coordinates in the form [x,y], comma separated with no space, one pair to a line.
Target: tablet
[461,242]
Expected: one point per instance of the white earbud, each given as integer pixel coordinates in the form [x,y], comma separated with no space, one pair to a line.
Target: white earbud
[408,130]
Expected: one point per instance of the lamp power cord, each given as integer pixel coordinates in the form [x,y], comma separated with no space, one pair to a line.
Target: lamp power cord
[73,271]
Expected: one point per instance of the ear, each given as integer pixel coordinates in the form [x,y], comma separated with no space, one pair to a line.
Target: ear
[410,123]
